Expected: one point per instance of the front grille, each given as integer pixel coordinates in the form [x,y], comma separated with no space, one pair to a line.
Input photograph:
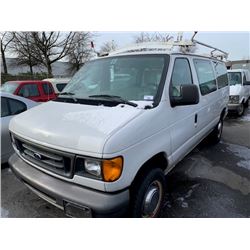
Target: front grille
[50,159]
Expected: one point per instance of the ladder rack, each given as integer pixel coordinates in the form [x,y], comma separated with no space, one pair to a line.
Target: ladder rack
[187,46]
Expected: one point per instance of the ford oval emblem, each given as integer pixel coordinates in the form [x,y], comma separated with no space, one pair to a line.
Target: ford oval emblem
[37,156]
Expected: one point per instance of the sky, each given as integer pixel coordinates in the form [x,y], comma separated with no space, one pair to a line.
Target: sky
[237,44]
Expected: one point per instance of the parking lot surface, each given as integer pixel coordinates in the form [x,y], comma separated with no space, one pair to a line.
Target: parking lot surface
[212,181]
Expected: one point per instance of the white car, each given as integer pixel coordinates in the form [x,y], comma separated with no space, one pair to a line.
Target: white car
[239,80]
[58,83]
[11,105]
[124,121]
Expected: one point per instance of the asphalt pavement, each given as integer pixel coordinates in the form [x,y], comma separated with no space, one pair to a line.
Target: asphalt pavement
[210,182]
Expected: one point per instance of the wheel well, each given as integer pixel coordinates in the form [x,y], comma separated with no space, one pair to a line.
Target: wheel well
[157,161]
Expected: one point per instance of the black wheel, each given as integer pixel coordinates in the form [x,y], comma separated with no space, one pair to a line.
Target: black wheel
[147,194]
[216,134]
[240,110]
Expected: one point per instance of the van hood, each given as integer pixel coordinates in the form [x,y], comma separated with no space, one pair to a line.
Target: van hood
[79,128]
[235,89]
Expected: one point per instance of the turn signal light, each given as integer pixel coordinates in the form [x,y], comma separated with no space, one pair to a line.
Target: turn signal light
[112,169]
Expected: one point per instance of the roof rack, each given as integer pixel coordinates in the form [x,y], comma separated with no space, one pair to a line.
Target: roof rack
[183,46]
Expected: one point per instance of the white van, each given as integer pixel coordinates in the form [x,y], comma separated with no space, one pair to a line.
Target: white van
[124,121]
[58,83]
[239,80]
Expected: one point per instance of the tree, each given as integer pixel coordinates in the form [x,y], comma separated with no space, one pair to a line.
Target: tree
[108,47]
[6,39]
[155,37]
[80,51]
[51,47]
[23,46]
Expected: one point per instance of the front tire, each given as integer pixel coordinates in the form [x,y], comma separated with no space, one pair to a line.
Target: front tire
[240,110]
[246,104]
[216,134]
[147,194]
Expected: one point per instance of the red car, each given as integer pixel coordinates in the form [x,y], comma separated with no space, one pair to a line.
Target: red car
[36,90]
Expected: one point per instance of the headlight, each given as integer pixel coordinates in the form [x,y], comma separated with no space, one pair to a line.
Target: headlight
[234,99]
[107,170]
[93,167]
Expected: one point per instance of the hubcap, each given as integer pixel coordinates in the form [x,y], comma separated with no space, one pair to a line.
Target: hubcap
[152,200]
[241,109]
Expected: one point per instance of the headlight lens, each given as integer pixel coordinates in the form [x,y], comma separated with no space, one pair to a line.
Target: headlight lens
[107,170]
[93,167]
[234,99]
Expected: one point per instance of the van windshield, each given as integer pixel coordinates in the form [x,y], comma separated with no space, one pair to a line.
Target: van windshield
[132,78]
[9,87]
[234,78]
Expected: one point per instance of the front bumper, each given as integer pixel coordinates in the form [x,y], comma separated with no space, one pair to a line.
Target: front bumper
[81,201]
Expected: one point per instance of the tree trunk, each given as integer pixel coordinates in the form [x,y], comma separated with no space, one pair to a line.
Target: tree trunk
[31,70]
[49,68]
[5,69]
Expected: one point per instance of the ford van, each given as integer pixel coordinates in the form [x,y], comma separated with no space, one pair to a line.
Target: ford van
[104,146]
[239,80]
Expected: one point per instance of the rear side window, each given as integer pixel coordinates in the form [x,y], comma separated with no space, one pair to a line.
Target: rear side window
[4,107]
[221,73]
[16,107]
[205,75]
[47,89]
[60,86]
[181,75]
[29,90]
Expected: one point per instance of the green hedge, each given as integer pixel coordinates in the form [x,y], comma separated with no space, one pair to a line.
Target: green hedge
[22,76]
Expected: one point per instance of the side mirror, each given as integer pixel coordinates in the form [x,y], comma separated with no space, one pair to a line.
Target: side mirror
[189,95]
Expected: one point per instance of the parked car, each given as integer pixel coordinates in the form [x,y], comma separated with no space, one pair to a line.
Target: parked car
[239,80]
[124,121]
[58,83]
[11,105]
[35,90]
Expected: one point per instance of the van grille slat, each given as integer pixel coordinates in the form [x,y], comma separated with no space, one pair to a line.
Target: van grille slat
[46,154]
[50,159]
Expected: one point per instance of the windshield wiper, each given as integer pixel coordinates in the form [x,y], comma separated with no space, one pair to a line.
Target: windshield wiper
[69,94]
[115,98]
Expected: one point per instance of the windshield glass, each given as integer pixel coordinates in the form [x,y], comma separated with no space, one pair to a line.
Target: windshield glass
[133,78]
[234,78]
[9,87]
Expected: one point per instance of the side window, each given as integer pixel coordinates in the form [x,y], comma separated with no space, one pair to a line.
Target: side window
[60,86]
[16,107]
[221,73]
[29,90]
[205,75]
[47,89]
[181,75]
[4,107]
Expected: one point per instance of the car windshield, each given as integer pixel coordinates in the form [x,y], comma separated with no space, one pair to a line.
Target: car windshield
[9,87]
[131,78]
[234,78]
